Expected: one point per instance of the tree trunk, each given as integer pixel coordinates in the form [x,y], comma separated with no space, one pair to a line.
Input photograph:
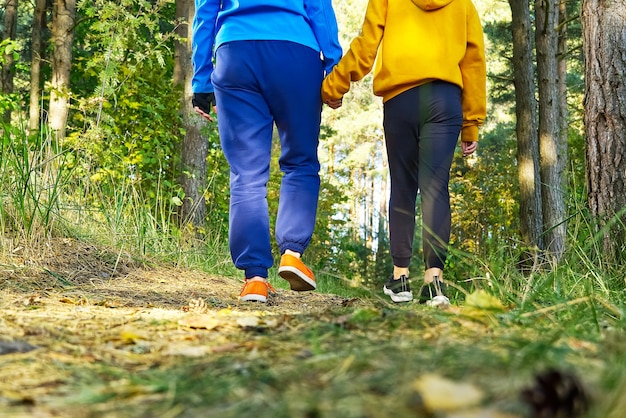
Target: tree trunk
[552,193]
[194,147]
[562,88]
[604,43]
[39,24]
[7,69]
[63,16]
[382,246]
[531,215]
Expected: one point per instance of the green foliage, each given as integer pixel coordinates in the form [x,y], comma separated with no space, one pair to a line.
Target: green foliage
[8,101]
[127,123]
[33,180]
[125,129]
[218,175]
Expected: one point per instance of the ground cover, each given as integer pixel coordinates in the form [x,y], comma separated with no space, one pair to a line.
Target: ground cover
[87,332]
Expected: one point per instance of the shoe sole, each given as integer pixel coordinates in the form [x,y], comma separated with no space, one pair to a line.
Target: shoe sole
[441,302]
[298,281]
[251,297]
[398,297]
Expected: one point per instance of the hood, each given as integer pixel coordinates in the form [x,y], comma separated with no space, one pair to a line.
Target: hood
[431,4]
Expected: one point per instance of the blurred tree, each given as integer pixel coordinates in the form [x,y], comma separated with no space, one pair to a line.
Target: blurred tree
[63,25]
[7,63]
[531,217]
[37,58]
[194,147]
[550,160]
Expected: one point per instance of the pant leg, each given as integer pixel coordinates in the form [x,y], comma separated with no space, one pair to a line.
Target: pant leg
[245,126]
[292,89]
[438,138]
[401,126]
[422,126]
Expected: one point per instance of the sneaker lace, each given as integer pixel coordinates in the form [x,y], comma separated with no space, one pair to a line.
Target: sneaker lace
[437,285]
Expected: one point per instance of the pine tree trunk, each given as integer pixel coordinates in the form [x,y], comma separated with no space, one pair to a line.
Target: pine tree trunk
[63,16]
[39,23]
[7,68]
[552,193]
[604,43]
[531,215]
[382,243]
[194,147]
[562,89]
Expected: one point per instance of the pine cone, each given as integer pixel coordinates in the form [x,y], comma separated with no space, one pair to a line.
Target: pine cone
[556,394]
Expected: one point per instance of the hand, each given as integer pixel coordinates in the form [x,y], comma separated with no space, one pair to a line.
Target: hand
[334,104]
[203,104]
[468,147]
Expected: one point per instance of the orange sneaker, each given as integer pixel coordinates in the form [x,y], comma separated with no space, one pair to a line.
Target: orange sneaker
[255,291]
[299,276]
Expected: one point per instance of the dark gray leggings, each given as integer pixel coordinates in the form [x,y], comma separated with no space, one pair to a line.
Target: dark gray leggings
[422,127]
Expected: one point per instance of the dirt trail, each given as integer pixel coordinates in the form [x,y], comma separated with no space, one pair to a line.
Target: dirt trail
[82,305]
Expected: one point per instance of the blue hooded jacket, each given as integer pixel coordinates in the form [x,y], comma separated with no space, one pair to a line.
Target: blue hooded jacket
[308,22]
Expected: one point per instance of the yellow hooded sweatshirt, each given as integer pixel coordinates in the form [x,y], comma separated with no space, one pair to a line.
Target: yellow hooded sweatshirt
[418,41]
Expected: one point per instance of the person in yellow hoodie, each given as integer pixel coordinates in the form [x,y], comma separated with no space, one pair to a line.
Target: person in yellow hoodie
[429,68]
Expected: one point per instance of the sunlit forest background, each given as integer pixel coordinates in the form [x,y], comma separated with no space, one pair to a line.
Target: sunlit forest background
[98,141]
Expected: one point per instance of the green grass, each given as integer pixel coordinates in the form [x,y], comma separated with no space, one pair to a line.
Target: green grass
[364,362]
[358,360]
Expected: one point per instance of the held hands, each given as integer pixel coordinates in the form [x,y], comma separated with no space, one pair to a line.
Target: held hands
[333,104]
[468,147]
[203,104]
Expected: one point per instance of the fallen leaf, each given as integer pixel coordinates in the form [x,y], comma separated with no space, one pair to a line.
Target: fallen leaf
[248,321]
[32,300]
[188,350]
[483,300]
[225,312]
[201,321]
[481,413]
[225,348]
[272,322]
[441,394]
[481,304]
[197,306]
[130,337]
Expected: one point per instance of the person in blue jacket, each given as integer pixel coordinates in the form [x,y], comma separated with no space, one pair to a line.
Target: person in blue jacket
[270,59]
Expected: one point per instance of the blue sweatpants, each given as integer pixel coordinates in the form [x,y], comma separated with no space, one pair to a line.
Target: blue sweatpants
[422,127]
[259,84]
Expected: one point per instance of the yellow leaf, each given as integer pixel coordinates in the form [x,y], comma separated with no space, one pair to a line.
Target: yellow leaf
[129,337]
[482,300]
[441,394]
[482,413]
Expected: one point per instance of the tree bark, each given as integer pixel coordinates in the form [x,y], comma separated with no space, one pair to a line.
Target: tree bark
[194,147]
[562,89]
[552,193]
[531,214]
[63,17]
[39,24]
[8,67]
[604,43]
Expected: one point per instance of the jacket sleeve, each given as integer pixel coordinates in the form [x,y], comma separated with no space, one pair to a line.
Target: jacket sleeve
[202,42]
[359,59]
[474,73]
[324,24]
